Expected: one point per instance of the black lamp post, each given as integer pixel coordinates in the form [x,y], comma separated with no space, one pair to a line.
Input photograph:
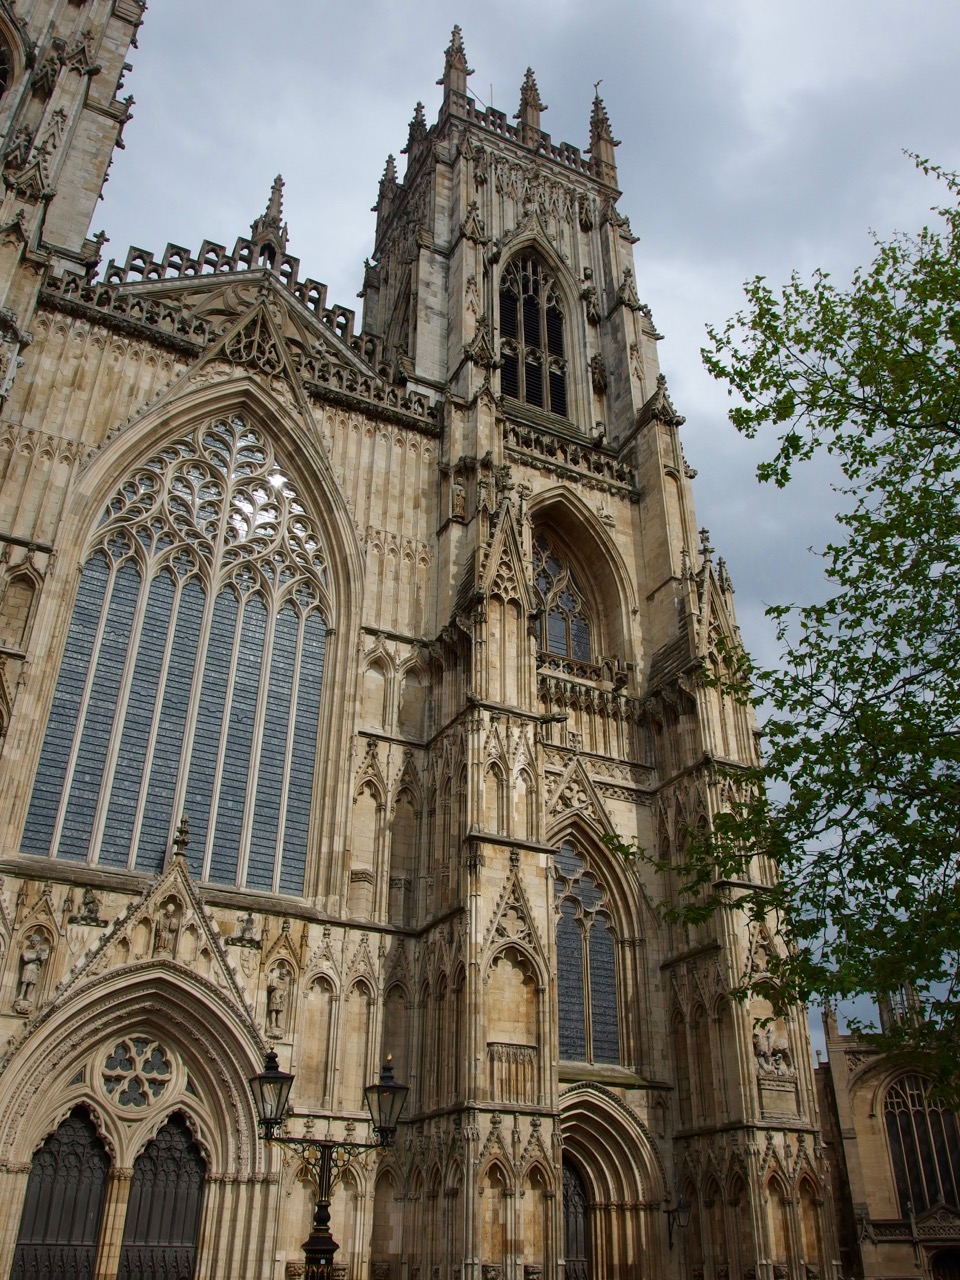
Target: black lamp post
[271,1092]
[679,1216]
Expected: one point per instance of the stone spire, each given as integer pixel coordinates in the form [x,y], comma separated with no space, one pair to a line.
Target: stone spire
[602,141]
[269,231]
[530,108]
[455,69]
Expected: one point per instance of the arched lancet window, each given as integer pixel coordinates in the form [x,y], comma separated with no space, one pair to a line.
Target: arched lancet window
[534,367]
[586,964]
[60,1223]
[563,629]
[924,1145]
[192,672]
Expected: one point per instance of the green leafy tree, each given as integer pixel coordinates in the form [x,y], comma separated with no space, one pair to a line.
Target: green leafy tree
[858,799]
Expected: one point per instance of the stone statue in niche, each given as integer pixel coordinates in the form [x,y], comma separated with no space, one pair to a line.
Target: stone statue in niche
[772,1050]
[34,955]
[277,991]
[167,930]
[89,911]
[246,934]
[459,500]
[590,297]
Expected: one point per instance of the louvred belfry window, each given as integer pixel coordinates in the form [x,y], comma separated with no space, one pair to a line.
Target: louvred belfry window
[192,672]
[533,361]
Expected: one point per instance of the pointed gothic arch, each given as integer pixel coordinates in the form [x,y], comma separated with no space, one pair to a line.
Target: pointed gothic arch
[599,565]
[152,577]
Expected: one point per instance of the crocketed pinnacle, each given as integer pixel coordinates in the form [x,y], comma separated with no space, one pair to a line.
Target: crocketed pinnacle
[455,69]
[600,130]
[272,219]
[389,172]
[530,100]
[418,131]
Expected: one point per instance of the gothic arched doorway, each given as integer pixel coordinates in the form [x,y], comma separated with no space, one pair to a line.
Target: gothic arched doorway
[163,1214]
[60,1223]
[946,1265]
[576,1224]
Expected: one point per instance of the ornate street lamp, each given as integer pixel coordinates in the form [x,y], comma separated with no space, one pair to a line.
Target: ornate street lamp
[271,1093]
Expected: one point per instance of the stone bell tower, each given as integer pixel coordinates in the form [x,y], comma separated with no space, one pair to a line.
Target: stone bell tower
[61,115]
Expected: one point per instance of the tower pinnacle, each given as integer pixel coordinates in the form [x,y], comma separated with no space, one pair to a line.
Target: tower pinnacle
[602,141]
[530,108]
[455,69]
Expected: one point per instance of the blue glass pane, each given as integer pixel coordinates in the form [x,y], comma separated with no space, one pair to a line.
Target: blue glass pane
[568,861]
[205,749]
[603,993]
[580,639]
[138,721]
[165,767]
[273,750]
[570,995]
[232,799]
[557,633]
[101,709]
[66,705]
[297,826]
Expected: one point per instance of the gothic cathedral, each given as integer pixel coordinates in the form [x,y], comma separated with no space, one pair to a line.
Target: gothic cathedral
[331,650]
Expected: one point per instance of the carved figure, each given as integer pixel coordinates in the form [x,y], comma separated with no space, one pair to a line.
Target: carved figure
[33,957]
[276,1003]
[590,298]
[167,928]
[459,500]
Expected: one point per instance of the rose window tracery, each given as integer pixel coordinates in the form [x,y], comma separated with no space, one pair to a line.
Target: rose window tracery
[191,677]
[136,1072]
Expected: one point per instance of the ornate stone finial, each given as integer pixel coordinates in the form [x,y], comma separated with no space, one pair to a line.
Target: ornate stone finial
[706,551]
[181,841]
[602,141]
[269,231]
[417,134]
[455,69]
[530,107]
[389,178]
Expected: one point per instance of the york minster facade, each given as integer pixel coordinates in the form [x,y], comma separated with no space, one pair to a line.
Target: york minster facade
[332,647]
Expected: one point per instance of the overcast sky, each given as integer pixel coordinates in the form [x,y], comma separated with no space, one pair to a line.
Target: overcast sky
[757,136]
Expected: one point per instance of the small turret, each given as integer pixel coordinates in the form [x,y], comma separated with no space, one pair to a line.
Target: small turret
[602,142]
[455,69]
[269,232]
[530,108]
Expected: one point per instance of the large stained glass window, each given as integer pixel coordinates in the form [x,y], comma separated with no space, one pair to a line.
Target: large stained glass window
[924,1145]
[192,672]
[586,963]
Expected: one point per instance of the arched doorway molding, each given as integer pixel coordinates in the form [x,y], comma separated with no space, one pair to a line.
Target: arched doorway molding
[612,1146]
[49,1072]
[618,1161]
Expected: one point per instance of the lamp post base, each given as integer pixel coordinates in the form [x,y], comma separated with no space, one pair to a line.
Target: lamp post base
[319,1249]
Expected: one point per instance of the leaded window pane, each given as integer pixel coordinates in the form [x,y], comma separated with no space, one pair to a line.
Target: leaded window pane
[924,1146]
[562,600]
[588,1003]
[192,675]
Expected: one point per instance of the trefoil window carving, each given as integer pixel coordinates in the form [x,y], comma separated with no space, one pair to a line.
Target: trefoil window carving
[136,1072]
[924,1145]
[563,627]
[586,963]
[192,672]
[533,359]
